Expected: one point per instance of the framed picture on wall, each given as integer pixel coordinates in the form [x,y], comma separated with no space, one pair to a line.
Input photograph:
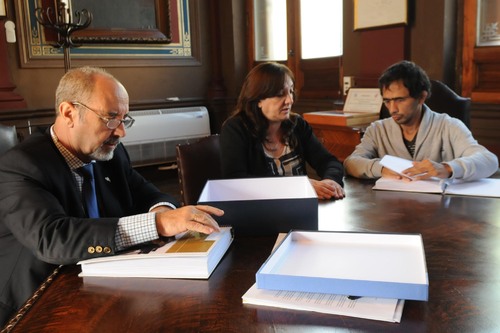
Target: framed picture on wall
[125,21]
[154,33]
[379,13]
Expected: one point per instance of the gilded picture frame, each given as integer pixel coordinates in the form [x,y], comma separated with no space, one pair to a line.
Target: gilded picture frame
[179,45]
[125,21]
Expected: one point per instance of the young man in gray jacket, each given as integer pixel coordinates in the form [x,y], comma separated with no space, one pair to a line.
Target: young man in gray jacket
[439,145]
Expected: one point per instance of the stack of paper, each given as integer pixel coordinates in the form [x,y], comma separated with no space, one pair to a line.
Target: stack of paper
[362,106]
[340,118]
[317,271]
[384,309]
[192,256]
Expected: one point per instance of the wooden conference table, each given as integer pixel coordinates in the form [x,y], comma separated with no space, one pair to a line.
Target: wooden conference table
[462,244]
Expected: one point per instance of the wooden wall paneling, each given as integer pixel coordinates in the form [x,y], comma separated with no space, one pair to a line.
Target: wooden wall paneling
[27,121]
[485,123]
[469,41]
[487,75]
[320,78]
[9,99]
[216,92]
[480,81]
[380,48]
[481,65]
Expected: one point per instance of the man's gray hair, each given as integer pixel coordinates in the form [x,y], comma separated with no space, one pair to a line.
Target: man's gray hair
[78,84]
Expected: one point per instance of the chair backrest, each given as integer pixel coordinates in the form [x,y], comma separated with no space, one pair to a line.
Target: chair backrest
[8,138]
[197,162]
[444,100]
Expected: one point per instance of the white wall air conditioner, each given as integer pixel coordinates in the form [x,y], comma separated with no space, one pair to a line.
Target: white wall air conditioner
[155,133]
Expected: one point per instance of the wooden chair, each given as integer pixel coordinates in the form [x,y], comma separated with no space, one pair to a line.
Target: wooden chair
[196,163]
[444,100]
[8,138]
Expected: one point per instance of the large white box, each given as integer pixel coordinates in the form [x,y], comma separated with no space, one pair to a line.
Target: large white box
[348,263]
[263,206]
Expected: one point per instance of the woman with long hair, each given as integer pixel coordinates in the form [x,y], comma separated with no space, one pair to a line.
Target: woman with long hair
[264,138]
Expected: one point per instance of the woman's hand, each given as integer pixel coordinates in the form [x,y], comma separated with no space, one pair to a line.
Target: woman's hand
[327,189]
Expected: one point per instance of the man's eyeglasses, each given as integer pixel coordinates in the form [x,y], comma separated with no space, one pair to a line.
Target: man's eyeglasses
[396,100]
[111,123]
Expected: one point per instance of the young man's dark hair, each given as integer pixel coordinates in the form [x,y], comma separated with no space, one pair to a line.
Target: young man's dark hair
[414,78]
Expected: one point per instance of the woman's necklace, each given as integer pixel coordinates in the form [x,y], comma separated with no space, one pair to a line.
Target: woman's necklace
[272,146]
[272,142]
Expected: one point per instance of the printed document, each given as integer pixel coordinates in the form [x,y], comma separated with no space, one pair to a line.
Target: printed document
[383,309]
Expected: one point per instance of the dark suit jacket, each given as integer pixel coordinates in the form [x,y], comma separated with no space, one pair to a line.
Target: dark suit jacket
[42,220]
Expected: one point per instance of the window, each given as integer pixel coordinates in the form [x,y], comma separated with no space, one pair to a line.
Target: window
[306,35]
[270,30]
[320,28]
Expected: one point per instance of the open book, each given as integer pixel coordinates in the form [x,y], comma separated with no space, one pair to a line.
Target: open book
[191,255]
[486,187]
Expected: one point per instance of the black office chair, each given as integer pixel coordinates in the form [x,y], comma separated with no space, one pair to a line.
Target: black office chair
[8,138]
[444,100]
[197,162]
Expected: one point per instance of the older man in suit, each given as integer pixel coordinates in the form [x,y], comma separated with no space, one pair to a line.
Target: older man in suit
[46,221]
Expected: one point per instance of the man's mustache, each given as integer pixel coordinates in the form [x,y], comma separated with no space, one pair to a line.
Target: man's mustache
[115,140]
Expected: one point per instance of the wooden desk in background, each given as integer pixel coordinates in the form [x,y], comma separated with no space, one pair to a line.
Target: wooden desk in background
[338,139]
[462,244]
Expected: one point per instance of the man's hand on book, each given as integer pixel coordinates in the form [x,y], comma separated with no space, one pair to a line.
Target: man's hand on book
[388,173]
[197,218]
[426,169]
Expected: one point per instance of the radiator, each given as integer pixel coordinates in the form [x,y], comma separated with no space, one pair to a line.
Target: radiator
[155,133]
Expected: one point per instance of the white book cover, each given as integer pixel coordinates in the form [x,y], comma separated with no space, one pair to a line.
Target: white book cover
[406,185]
[190,255]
